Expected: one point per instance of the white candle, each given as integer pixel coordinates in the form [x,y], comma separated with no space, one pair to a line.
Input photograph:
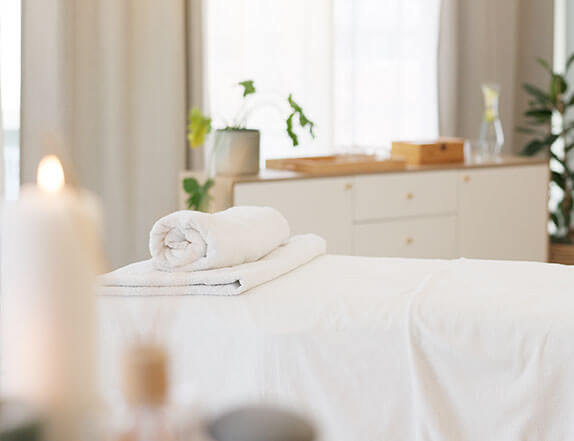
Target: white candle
[50,256]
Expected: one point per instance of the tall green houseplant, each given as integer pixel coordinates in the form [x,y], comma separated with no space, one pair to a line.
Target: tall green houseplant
[547,122]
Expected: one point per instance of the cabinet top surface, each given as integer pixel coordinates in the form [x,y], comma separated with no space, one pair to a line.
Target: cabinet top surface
[266,174]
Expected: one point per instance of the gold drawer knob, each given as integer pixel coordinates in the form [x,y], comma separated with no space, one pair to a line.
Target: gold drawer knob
[348,186]
[466,178]
[410,196]
[409,240]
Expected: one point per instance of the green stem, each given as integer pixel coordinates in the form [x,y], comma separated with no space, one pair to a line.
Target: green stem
[567,202]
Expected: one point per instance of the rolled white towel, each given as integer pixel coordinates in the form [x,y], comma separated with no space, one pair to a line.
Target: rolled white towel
[191,240]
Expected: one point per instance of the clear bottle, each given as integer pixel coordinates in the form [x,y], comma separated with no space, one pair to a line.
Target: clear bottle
[145,391]
[491,134]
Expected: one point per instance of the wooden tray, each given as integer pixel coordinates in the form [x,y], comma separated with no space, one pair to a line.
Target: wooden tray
[335,164]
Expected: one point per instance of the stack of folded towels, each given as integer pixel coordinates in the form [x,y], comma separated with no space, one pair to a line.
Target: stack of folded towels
[224,253]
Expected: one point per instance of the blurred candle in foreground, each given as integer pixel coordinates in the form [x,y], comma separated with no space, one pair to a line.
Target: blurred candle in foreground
[50,256]
[50,176]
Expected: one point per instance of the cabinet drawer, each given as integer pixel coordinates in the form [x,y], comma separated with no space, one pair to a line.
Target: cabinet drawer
[429,237]
[404,194]
[321,206]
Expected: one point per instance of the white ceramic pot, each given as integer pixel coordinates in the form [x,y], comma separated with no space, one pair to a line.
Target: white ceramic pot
[236,152]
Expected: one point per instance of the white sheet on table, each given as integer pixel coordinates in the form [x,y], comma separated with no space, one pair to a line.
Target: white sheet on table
[377,349]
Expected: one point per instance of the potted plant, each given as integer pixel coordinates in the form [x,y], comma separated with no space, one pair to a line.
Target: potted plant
[553,133]
[234,148]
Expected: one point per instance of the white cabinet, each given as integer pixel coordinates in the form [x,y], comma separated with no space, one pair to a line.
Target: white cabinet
[432,236]
[502,213]
[319,205]
[490,211]
[395,195]
[405,215]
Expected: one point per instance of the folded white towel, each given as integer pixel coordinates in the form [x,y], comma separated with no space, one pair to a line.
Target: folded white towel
[190,240]
[143,279]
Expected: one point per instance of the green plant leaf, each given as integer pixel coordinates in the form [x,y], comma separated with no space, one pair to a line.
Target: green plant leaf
[558,86]
[556,157]
[532,148]
[560,238]
[558,179]
[303,121]
[199,197]
[562,84]
[550,139]
[248,87]
[544,64]
[537,93]
[198,126]
[555,219]
[536,145]
[540,114]
[570,61]
[208,184]
[290,131]
[190,185]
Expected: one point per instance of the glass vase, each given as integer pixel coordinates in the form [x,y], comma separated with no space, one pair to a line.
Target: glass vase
[491,136]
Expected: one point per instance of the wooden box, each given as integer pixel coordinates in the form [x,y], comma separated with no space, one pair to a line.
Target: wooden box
[337,164]
[440,151]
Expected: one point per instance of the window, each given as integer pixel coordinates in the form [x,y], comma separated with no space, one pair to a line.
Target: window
[10,91]
[364,71]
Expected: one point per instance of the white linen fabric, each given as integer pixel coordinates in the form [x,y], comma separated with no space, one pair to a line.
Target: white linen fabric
[143,279]
[190,240]
[374,348]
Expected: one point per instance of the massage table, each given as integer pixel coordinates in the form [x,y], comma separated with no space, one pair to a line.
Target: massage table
[373,348]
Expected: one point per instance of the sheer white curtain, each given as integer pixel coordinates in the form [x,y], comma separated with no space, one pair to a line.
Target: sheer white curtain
[385,67]
[284,46]
[108,77]
[10,31]
[1,143]
[364,70]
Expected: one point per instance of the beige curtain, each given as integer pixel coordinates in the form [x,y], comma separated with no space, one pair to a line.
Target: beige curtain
[2,170]
[196,75]
[108,77]
[490,40]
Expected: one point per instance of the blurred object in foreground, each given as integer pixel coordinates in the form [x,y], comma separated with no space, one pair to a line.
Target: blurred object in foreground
[19,423]
[50,259]
[259,423]
[146,384]
[145,375]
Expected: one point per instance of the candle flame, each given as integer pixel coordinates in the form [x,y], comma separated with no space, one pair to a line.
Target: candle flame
[50,175]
